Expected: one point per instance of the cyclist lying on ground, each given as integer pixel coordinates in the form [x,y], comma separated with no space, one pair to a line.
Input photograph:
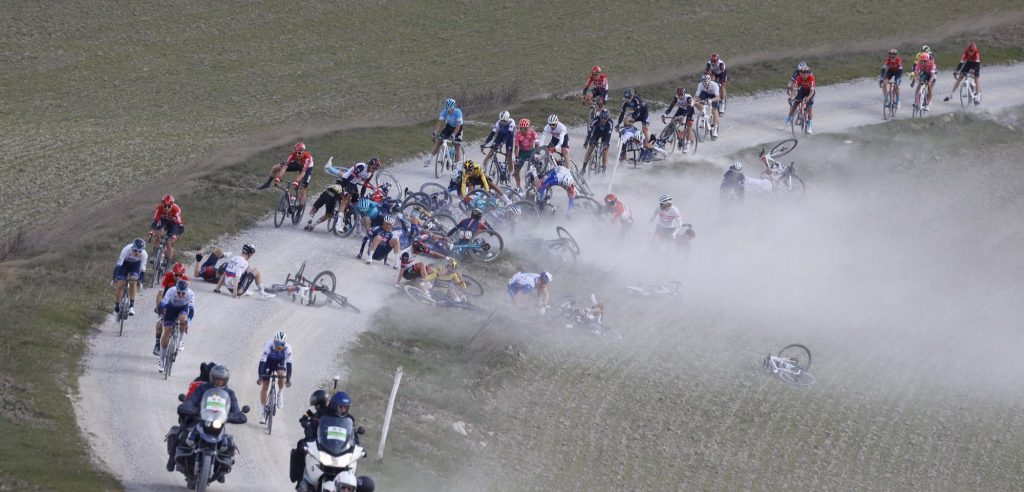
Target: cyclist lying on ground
[328,199]
[208,270]
[238,271]
[167,221]
[382,241]
[444,278]
[169,281]
[410,269]
[630,134]
[619,212]
[354,180]
[522,283]
[473,176]
[561,176]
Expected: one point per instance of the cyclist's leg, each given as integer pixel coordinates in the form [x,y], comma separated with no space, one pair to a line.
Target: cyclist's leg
[281,375]
[264,389]
[304,185]
[183,322]
[167,325]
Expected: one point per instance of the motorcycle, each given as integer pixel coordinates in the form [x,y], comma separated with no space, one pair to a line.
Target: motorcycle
[208,452]
[333,452]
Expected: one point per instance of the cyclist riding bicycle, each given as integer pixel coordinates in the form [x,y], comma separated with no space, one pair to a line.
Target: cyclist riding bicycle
[924,73]
[382,241]
[170,280]
[557,137]
[683,104]
[452,118]
[803,82]
[734,180]
[560,176]
[443,279]
[276,358]
[715,67]
[639,110]
[503,133]
[301,161]
[970,61]
[178,305]
[524,148]
[708,91]
[130,268]
[522,283]
[619,212]
[239,272]
[599,81]
[599,131]
[208,270]
[167,221]
[668,218]
[892,69]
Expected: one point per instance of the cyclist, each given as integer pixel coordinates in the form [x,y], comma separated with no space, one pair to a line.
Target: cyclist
[600,132]
[177,305]
[301,161]
[599,81]
[382,241]
[170,279]
[560,176]
[208,270]
[629,133]
[925,52]
[733,180]
[524,148]
[328,199]
[970,61]
[130,266]
[522,283]
[715,67]
[803,82]
[359,174]
[503,133]
[924,73]
[668,217]
[619,211]
[892,69]
[708,91]
[557,136]
[276,358]
[684,106]
[443,278]
[167,221]
[238,272]
[452,118]
[473,175]
[639,110]
[411,269]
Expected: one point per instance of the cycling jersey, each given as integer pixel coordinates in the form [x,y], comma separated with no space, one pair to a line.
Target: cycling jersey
[368,207]
[621,212]
[384,246]
[925,67]
[236,267]
[303,161]
[127,258]
[467,227]
[453,119]
[667,218]
[173,215]
[358,173]
[522,283]
[599,81]
[476,174]
[638,107]
[893,64]
[503,133]
[804,81]
[526,140]
[445,280]
[969,56]
[630,133]
[560,176]
[269,355]
[923,55]
[600,131]
[708,90]
[169,281]
[557,136]
[715,68]
[683,105]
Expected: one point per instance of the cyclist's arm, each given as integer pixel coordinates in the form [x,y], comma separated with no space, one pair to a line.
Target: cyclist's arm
[462,185]
[487,184]
[622,114]
[143,259]
[542,294]
[494,132]
[459,281]
[671,105]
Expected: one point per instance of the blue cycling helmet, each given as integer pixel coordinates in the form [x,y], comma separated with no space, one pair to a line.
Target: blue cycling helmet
[364,204]
[341,399]
[449,103]
[182,285]
[139,244]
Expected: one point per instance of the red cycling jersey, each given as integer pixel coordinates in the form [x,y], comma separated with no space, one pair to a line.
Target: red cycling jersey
[804,81]
[925,66]
[600,80]
[192,388]
[169,281]
[174,214]
[969,56]
[620,210]
[526,140]
[893,64]
[304,158]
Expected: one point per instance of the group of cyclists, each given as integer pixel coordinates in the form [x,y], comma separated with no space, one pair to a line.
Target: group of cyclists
[924,71]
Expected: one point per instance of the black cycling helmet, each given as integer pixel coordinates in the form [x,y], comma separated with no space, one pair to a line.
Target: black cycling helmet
[373,162]
[182,285]
[249,249]
[318,399]
[476,213]
[364,484]
[138,244]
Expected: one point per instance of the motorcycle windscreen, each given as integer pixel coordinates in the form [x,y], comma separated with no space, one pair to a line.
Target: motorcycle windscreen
[215,405]
[335,435]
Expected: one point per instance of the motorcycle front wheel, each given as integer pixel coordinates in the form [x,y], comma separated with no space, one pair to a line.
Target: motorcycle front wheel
[203,475]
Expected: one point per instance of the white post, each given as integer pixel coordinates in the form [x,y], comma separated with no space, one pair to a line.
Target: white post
[387,415]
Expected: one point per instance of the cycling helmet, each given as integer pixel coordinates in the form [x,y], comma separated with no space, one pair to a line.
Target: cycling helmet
[524,123]
[736,166]
[178,268]
[502,116]
[300,147]
[545,277]
[972,47]
[168,200]
[610,199]
[665,198]
[280,337]
[346,478]
[138,244]
[628,93]
[449,103]
[341,399]
[801,66]
[705,78]
[595,69]
[418,247]
[363,203]
[714,57]
[373,162]
[553,119]
[318,399]
[365,484]
[926,49]
[182,286]
[893,52]
[249,249]
[389,219]
[680,91]
[220,372]
[515,210]
[469,165]
[604,114]
[451,263]
[476,213]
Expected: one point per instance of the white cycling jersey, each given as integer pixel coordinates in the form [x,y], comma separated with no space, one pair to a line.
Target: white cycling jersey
[171,298]
[508,125]
[711,87]
[268,349]
[716,68]
[524,279]
[669,218]
[126,256]
[558,133]
[234,269]
[563,175]
[358,173]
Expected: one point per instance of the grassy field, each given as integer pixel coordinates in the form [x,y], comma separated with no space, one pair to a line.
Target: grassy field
[115,104]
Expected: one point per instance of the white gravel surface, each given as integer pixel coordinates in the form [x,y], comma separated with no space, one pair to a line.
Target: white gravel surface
[125,407]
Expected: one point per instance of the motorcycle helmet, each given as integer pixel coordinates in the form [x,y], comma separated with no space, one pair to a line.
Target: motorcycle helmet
[365,484]
[318,399]
[340,399]
[222,373]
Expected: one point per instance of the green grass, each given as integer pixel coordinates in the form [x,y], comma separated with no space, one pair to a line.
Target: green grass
[200,100]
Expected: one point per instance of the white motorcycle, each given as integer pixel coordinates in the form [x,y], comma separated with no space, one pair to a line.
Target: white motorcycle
[335,451]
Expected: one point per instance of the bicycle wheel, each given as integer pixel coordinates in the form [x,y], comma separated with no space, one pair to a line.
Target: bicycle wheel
[298,210]
[530,214]
[324,281]
[796,124]
[965,93]
[441,223]
[440,197]
[394,187]
[886,101]
[581,183]
[790,186]
[667,139]
[419,295]
[168,355]
[568,240]
[271,407]
[702,128]
[122,312]
[332,223]
[798,354]
[563,256]
[348,223]
[487,246]
[784,147]
[588,205]
[281,211]
[439,161]
[473,287]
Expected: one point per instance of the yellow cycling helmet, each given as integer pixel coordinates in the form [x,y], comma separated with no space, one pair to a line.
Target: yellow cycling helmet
[452,263]
[469,166]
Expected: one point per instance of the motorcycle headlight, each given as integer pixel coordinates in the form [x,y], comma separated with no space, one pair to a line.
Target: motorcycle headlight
[216,424]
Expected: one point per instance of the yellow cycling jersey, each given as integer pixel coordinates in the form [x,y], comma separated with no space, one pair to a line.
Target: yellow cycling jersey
[478,173]
[443,280]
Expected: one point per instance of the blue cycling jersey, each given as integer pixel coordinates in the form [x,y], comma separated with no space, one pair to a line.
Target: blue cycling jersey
[454,119]
[368,208]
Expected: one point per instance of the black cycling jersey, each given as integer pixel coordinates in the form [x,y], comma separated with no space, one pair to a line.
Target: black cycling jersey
[638,107]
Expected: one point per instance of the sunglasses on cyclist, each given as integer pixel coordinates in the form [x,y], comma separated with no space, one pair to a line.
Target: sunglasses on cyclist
[279,345]
[347,488]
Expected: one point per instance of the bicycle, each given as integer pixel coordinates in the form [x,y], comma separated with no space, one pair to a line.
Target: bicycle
[160,262]
[968,90]
[445,160]
[633,148]
[306,291]
[488,203]
[564,249]
[920,98]
[495,168]
[889,104]
[483,246]
[673,288]
[122,310]
[798,124]
[784,179]
[426,298]
[273,402]
[288,206]
[171,352]
[791,365]
[596,165]
[572,317]
[669,140]
[702,125]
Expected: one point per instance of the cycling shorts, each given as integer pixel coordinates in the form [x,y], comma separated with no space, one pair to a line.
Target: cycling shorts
[603,137]
[171,227]
[642,115]
[296,166]
[801,94]
[209,274]
[516,289]
[721,78]
[475,181]
[687,112]
[971,65]
[504,138]
[896,75]
[272,366]
[447,133]
[129,269]
[925,77]
[601,92]
[524,157]
[706,96]
[382,251]
[328,200]
[171,314]
[554,142]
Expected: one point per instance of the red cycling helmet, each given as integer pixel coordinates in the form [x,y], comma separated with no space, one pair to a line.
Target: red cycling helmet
[972,47]
[168,200]
[610,198]
[596,69]
[300,147]
[418,247]
[524,123]
[178,268]
[714,57]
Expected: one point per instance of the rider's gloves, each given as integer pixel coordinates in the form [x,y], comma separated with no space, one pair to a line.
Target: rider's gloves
[142,277]
[288,383]
[879,81]
[199,257]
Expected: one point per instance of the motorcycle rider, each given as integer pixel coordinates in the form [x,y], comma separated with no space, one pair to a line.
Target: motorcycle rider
[310,422]
[188,413]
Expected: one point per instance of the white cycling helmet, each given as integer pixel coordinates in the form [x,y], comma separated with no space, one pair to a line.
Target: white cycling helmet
[546,277]
[666,198]
[346,478]
[705,78]
[503,116]
[449,103]
[736,166]
[280,337]
[553,119]
[389,219]
[515,210]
